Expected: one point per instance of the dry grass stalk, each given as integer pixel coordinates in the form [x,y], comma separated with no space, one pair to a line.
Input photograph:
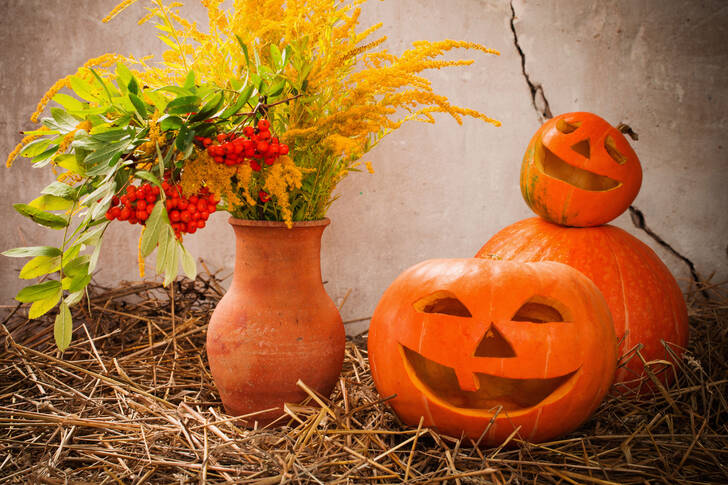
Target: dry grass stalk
[132,401]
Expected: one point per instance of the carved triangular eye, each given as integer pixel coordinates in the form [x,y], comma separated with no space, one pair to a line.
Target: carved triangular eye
[611,147]
[582,148]
[494,344]
[538,310]
[565,127]
[443,302]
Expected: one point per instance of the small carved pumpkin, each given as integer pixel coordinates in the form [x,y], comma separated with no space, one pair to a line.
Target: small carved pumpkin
[645,300]
[484,347]
[579,170]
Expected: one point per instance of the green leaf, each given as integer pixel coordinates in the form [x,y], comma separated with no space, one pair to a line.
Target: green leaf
[277,88]
[45,157]
[276,57]
[103,84]
[43,265]
[41,132]
[41,217]
[164,238]
[64,120]
[139,105]
[171,266]
[41,307]
[188,264]
[99,208]
[106,135]
[59,189]
[184,138]
[51,203]
[35,148]
[209,109]
[39,266]
[245,51]
[158,100]
[176,90]
[32,251]
[239,103]
[84,89]
[87,236]
[73,298]
[123,103]
[161,161]
[184,105]
[70,163]
[123,74]
[76,266]
[171,123]
[38,292]
[190,80]
[76,283]
[101,191]
[94,257]
[63,327]
[99,161]
[149,177]
[156,223]
[69,102]
[133,86]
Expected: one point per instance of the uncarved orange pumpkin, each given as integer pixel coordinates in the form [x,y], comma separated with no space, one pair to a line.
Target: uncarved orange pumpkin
[646,303]
[485,348]
[579,170]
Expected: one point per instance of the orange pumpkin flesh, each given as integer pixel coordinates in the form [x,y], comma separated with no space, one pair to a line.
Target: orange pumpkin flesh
[473,344]
[578,170]
[646,303]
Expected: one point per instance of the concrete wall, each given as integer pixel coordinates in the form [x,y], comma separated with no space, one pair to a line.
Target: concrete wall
[442,191]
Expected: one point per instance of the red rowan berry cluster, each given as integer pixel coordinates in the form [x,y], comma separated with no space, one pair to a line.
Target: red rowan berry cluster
[186,214]
[259,147]
[135,206]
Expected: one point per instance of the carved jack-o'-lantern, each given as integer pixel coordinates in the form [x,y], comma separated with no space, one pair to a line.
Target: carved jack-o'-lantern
[579,170]
[482,347]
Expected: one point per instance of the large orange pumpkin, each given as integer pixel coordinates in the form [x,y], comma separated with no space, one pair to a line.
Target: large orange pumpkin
[579,170]
[484,347]
[646,303]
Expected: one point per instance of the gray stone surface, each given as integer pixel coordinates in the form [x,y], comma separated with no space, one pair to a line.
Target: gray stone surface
[443,190]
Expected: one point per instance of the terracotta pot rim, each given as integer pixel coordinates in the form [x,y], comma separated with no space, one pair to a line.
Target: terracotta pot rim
[278,224]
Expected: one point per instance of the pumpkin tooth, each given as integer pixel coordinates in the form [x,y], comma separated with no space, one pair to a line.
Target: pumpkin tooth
[478,391]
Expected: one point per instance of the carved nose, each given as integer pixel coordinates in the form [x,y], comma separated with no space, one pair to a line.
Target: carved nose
[493,344]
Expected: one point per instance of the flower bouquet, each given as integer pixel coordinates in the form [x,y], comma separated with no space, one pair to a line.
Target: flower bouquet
[260,114]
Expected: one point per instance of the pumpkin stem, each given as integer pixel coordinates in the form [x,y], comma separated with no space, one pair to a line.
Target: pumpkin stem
[627,130]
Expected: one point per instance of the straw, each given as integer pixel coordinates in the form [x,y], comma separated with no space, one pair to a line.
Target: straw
[132,401]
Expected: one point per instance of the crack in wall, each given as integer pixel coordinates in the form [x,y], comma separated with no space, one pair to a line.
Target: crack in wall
[638,219]
[538,97]
[543,110]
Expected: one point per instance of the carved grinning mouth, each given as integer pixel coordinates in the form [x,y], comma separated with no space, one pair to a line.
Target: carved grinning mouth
[440,383]
[554,166]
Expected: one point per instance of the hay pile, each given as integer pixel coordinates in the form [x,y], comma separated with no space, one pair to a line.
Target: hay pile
[132,401]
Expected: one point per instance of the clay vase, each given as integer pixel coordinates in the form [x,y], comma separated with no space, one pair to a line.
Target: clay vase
[276,324]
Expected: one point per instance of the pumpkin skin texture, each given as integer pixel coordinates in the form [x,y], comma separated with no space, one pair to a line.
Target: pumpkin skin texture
[645,300]
[580,171]
[473,344]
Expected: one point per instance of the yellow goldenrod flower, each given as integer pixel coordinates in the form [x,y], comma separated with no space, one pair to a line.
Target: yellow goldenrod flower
[117,10]
[140,257]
